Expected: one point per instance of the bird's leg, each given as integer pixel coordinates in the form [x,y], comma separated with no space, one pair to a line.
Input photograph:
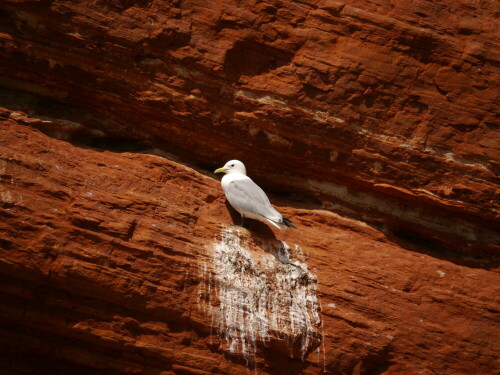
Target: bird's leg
[249,227]
[240,225]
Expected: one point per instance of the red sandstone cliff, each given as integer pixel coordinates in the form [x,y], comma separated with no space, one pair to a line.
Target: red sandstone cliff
[372,122]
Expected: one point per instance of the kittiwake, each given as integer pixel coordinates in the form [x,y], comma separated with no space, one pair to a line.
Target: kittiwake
[247,197]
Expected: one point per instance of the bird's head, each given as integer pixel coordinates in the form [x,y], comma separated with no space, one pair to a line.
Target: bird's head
[232,166]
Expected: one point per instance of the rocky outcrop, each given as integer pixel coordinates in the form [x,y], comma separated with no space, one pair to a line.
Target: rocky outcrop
[372,125]
[126,263]
[366,105]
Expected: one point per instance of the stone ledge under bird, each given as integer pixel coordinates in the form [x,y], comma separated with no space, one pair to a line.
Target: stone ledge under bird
[247,197]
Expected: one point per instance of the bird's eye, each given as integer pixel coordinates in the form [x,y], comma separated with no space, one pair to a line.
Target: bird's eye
[232,165]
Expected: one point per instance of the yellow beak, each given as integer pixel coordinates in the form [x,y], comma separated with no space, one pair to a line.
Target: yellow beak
[220,170]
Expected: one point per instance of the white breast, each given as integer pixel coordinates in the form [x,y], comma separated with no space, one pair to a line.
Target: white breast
[228,178]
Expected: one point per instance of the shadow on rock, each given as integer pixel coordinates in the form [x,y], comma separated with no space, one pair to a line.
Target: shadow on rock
[257,229]
[263,236]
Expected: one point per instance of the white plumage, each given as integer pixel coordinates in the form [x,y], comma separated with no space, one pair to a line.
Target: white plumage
[246,197]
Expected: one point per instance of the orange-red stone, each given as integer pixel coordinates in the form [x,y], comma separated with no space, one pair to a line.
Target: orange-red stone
[372,125]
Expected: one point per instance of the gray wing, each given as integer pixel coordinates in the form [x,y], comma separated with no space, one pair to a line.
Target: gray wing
[246,195]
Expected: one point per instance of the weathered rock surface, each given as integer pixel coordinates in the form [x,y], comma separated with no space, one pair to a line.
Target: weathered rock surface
[368,104]
[376,118]
[123,262]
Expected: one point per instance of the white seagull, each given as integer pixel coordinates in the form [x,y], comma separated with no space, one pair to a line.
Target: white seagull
[247,197]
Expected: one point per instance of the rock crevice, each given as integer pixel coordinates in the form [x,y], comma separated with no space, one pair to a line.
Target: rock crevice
[371,124]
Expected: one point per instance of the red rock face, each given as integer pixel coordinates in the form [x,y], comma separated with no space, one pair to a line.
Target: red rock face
[372,122]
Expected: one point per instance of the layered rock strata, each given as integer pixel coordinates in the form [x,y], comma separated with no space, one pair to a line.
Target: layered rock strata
[386,110]
[371,123]
[127,263]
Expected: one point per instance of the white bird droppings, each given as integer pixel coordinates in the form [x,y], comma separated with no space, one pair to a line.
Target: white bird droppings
[262,298]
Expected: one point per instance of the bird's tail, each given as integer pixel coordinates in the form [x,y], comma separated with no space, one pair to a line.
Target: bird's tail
[288,223]
[281,224]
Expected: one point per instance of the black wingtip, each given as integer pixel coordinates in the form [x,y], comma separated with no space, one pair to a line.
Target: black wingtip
[288,223]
